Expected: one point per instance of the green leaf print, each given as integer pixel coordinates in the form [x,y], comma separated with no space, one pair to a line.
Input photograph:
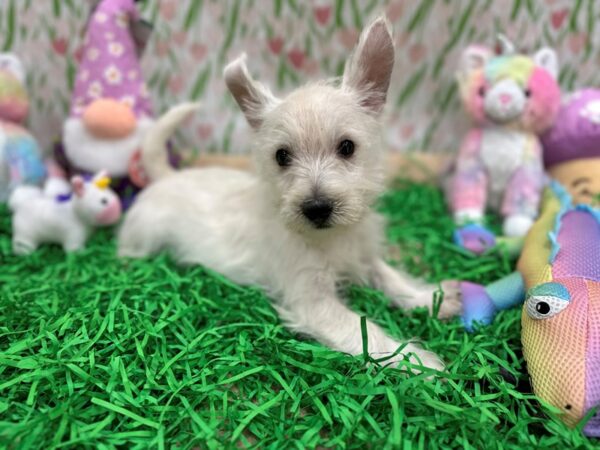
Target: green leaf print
[9,33]
[201,82]
[192,14]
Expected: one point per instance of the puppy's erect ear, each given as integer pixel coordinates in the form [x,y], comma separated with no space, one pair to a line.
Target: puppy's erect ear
[253,98]
[369,69]
[546,58]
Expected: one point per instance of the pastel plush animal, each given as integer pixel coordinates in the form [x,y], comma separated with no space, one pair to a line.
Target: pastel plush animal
[39,217]
[558,273]
[20,156]
[511,99]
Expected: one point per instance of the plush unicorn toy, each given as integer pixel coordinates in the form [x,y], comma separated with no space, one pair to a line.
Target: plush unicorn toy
[511,99]
[67,219]
[558,273]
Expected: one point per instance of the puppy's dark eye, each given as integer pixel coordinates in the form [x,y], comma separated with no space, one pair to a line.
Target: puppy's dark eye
[527,93]
[346,148]
[481,91]
[104,201]
[283,157]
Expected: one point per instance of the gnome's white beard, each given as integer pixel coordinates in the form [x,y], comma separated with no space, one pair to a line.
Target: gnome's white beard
[90,153]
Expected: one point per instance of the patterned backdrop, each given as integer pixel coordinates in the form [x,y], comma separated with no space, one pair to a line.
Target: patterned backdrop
[291,41]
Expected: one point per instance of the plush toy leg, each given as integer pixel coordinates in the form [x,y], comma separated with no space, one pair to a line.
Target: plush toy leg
[73,244]
[481,303]
[23,246]
[475,238]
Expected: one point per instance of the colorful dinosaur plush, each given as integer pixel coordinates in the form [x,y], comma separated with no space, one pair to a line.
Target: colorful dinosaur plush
[558,273]
[512,99]
[20,156]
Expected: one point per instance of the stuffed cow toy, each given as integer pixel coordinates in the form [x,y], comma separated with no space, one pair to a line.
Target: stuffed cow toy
[511,99]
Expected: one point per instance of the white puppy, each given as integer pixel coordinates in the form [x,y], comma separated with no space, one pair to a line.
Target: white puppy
[304,222]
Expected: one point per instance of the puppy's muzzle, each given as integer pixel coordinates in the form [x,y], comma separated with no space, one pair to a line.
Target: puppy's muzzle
[318,211]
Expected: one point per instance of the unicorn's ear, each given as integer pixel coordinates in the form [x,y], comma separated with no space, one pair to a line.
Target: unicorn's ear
[11,64]
[547,59]
[78,185]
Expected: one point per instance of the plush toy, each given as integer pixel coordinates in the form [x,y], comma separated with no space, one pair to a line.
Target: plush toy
[42,216]
[110,108]
[558,273]
[20,156]
[512,99]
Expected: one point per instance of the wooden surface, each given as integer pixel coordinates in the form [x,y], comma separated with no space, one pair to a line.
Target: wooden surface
[418,166]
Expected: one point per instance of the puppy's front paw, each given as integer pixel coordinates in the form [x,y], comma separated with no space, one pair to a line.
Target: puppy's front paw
[420,356]
[452,302]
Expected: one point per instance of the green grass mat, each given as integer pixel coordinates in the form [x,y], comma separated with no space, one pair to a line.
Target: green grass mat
[101,353]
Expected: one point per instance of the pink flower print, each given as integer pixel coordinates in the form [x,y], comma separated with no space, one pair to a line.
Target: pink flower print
[558,17]
[78,54]
[204,131]
[296,57]
[180,37]
[116,49]
[311,66]
[577,42]
[95,89]
[132,75]
[92,54]
[322,14]
[394,10]
[416,52]
[199,51]
[168,10]
[100,17]
[176,84]
[113,75]
[348,37]
[60,45]
[162,48]
[275,45]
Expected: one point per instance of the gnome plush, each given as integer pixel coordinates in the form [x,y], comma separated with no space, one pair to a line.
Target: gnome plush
[110,107]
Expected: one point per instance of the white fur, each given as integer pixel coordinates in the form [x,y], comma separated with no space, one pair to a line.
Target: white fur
[251,227]
[39,218]
[502,154]
[88,152]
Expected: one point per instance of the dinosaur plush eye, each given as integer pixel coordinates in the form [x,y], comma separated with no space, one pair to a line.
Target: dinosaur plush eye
[547,300]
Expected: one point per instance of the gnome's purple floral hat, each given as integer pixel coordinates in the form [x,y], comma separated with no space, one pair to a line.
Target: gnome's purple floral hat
[109,66]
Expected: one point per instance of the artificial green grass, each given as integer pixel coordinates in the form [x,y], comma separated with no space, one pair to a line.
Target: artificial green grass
[101,353]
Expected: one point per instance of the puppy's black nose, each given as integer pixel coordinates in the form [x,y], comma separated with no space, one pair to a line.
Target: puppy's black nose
[318,211]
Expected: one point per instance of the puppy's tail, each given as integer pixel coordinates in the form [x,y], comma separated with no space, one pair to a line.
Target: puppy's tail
[154,147]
